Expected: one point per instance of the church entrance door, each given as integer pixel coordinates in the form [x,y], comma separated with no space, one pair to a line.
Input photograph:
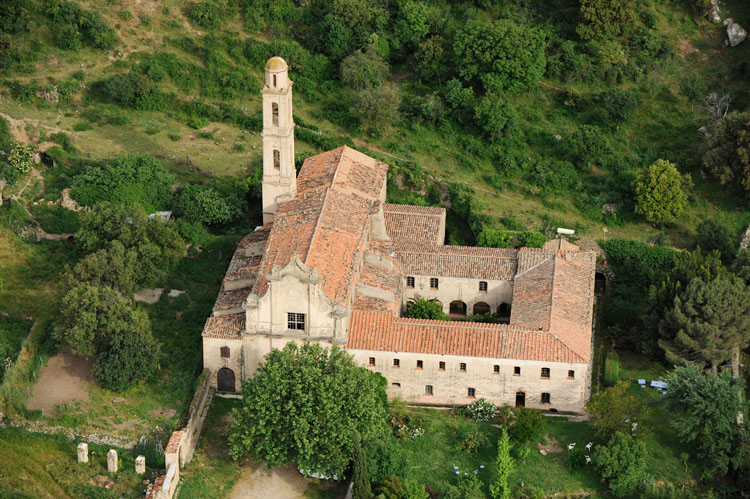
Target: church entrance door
[520,399]
[225,380]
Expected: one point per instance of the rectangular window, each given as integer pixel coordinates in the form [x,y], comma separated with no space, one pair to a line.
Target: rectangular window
[472,393]
[545,398]
[409,282]
[419,364]
[516,371]
[433,283]
[571,375]
[482,286]
[428,389]
[396,363]
[441,366]
[225,352]
[462,367]
[496,369]
[372,361]
[545,372]
[296,321]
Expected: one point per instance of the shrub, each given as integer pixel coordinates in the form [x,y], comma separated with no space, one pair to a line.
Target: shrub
[530,425]
[20,161]
[55,219]
[364,69]
[472,440]
[576,458]
[588,145]
[211,13]
[623,463]
[197,123]
[713,234]
[427,309]
[377,107]
[481,410]
[82,126]
[128,180]
[206,205]
[660,192]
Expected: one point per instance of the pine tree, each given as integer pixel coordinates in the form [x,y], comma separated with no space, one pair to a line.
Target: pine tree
[361,488]
[711,319]
[505,467]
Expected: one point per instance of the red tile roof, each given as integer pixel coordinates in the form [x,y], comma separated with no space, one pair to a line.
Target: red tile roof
[224,326]
[419,224]
[325,224]
[383,332]
[456,261]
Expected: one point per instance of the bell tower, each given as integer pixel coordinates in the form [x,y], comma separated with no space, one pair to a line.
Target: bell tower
[279,174]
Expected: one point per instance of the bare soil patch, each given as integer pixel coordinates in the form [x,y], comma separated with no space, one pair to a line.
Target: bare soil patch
[552,445]
[278,483]
[65,379]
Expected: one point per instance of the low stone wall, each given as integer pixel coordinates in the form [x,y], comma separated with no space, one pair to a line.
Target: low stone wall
[71,434]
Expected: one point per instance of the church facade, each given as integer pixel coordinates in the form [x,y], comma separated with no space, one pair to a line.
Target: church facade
[334,263]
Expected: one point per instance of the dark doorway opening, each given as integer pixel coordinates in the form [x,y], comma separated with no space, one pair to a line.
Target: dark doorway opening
[600,282]
[457,310]
[481,308]
[225,380]
[520,399]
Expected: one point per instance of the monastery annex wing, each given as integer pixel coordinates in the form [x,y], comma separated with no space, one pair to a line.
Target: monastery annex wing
[334,263]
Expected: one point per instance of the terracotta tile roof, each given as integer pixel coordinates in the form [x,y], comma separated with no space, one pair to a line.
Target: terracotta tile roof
[420,224]
[560,243]
[380,272]
[456,261]
[383,332]
[325,224]
[245,263]
[224,326]
[230,300]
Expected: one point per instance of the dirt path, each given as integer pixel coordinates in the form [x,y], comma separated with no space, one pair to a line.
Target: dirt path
[279,483]
[18,127]
[65,379]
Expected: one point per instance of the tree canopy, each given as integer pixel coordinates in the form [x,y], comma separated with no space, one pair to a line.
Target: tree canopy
[427,309]
[623,463]
[606,18]
[704,410]
[728,150]
[614,409]
[660,192]
[304,405]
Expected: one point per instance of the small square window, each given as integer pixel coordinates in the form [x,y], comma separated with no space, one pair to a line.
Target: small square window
[496,369]
[472,393]
[482,286]
[225,352]
[428,389]
[545,372]
[296,321]
[516,371]
[419,364]
[396,363]
[409,282]
[434,283]
[441,366]
[372,361]
[462,367]
[545,398]
[396,385]
[571,374]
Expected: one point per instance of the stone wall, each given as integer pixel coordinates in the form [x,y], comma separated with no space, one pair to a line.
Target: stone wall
[453,288]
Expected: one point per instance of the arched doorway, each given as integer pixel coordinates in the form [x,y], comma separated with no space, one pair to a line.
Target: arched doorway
[600,282]
[225,380]
[481,308]
[520,399]
[457,310]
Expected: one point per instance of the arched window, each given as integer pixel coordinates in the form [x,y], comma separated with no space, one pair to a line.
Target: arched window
[600,282]
[274,80]
[275,112]
[457,310]
[276,159]
[481,308]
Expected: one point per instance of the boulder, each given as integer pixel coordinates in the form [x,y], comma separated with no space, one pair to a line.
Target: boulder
[736,34]
[714,14]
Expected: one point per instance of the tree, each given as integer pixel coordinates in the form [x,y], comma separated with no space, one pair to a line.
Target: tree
[530,425]
[704,410]
[377,107]
[713,234]
[728,150]
[98,321]
[660,192]
[742,265]
[361,488]
[504,467]
[427,309]
[588,145]
[114,267]
[206,205]
[365,69]
[304,404]
[499,57]
[614,409]
[606,18]
[623,463]
[496,116]
[711,320]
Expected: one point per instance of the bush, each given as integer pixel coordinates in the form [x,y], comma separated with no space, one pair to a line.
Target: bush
[128,180]
[211,13]
[576,458]
[427,309]
[20,161]
[377,107]
[713,234]
[588,145]
[74,26]
[55,219]
[198,204]
[530,425]
[623,463]
[481,410]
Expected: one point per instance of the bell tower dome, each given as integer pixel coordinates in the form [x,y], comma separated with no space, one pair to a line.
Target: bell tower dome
[279,174]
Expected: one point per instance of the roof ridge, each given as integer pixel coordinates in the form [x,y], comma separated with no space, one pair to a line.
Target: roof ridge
[533,266]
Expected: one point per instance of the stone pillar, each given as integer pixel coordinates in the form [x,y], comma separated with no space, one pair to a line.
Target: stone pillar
[83,453]
[140,465]
[112,461]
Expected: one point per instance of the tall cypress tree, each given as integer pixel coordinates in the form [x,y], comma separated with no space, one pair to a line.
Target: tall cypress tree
[361,489]
[505,468]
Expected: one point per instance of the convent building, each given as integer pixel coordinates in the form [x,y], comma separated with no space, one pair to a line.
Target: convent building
[334,263]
